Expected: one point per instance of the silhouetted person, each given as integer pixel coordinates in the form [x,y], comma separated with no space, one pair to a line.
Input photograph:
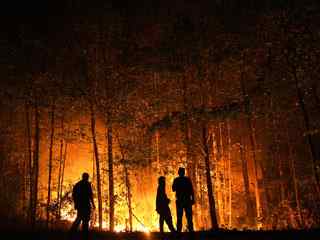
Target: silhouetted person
[162,205]
[83,200]
[184,199]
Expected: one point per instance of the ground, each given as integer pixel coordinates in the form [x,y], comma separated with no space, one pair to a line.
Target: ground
[215,235]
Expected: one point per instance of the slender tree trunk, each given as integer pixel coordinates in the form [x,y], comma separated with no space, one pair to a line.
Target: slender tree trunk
[29,154]
[62,176]
[96,152]
[212,208]
[24,188]
[111,180]
[202,201]
[218,179]
[307,124]
[252,142]
[128,187]
[36,152]
[224,178]
[157,138]
[50,165]
[245,175]
[218,183]
[60,168]
[294,179]
[229,176]
[94,184]
[127,184]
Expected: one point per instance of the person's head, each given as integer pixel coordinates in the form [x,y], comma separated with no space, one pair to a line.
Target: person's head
[85,176]
[162,181]
[181,172]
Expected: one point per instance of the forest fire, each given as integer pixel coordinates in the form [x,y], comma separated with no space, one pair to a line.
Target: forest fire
[128,116]
[69,215]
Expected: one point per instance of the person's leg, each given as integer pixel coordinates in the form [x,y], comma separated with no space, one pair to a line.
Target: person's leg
[179,216]
[85,224]
[161,221]
[168,219]
[188,209]
[85,229]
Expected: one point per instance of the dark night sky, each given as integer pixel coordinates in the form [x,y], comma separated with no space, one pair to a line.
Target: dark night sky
[30,28]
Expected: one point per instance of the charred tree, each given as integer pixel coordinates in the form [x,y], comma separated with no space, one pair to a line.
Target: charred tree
[96,153]
[127,183]
[245,176]
[229,177]
[59,187]
[252,141]
[50,164]
[29,156]
[62,176]
[110,175]
[35,168]
[307,123]
[294,179]
[212,208]
[128,187]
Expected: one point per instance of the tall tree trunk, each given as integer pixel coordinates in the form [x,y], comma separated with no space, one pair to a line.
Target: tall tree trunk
[224,175]
[50,165]
[315,164]
[202,201]
[29,154]
[245,175]
[60,168]
[212,208]
[96,152]
[129,201]
[218,183]
[127,184]
[294,179]
[94,184]
[24,188]
[36,152]
[111,185]
[62,176]
[229,176]
[157,138]
[252,142]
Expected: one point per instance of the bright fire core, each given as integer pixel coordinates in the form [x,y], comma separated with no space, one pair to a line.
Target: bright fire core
[68,214]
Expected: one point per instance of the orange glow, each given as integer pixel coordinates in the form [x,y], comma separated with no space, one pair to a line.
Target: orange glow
[138,227]
[143,182]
